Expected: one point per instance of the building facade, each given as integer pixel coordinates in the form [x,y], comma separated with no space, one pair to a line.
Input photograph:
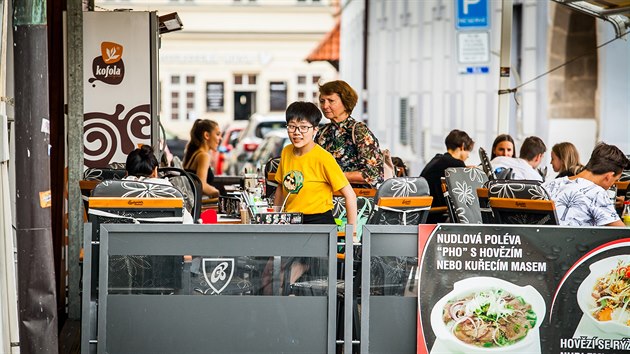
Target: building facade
[417,85]
[234,58]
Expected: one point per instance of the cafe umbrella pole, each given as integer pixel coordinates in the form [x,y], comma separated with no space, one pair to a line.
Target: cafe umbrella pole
[36,277]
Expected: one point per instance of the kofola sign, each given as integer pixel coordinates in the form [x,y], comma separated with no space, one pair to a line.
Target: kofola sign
[109,66]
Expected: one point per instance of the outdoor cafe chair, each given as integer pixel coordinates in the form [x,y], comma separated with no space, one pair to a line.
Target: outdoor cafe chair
[521,202]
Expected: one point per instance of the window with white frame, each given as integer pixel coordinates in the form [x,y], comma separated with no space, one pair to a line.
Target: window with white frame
[183,95]
[307,87]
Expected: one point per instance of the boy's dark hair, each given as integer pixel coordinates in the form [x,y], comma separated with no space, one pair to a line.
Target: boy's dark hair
[307,111]
[532,146]
[606,158]
[141,162]
[457,138]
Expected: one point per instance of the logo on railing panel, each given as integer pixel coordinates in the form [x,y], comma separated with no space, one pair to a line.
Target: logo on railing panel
[218,273]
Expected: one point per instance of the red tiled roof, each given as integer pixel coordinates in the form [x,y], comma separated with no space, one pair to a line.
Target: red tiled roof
[328,48]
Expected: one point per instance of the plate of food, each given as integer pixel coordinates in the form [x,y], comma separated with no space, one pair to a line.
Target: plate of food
[488,315]
[604,295]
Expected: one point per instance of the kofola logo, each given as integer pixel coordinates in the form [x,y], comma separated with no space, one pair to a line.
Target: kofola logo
[109,67]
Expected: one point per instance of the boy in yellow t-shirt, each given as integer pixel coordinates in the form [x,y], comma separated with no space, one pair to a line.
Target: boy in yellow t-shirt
[307,173]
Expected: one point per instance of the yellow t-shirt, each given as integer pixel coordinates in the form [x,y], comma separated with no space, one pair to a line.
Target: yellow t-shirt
[313,176]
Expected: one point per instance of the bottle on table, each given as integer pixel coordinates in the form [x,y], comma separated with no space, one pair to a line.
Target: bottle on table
[625,214]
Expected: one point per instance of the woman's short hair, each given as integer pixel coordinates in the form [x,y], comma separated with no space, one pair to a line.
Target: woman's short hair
[141,162]
[346,93]
[606,158]
[307,111]
[457,138]
[567,154]
[499,139]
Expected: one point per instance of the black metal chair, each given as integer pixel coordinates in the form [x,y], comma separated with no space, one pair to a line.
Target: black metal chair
[190,186]
[125,202]
[401,201]
[462,184]
[521,202]
[485,164]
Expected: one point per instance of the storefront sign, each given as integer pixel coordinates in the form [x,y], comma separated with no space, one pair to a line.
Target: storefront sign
[117,51]
[524,289]
[214,97]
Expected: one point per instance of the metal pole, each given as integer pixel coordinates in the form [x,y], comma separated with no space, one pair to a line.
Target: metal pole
[36,270]
[503,125]
[8,285]
[75,152]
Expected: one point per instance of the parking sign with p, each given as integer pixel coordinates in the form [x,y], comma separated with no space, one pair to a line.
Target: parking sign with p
[472,14]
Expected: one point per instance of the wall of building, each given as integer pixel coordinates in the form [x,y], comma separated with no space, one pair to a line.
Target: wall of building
[245,46]
[416,92]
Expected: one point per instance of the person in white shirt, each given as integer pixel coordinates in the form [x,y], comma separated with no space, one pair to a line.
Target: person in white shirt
[582,200]
[530,157]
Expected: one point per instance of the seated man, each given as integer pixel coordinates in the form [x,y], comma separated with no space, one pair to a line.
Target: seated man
[530,157]
[458,147]
[582,199]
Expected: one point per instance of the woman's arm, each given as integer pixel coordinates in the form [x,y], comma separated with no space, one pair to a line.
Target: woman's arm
[203,164]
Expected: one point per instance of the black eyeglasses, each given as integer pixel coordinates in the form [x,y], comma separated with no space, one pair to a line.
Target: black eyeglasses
[301,128]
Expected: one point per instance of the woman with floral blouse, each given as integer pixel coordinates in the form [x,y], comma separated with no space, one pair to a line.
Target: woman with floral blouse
[351,142]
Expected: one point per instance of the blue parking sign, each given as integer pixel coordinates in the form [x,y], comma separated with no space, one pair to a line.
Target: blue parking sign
[472,14]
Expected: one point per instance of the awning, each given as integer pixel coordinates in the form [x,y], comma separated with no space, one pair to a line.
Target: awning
[616,12]
[328,48]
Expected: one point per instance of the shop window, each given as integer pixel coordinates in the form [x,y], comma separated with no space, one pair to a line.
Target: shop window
[404,122]
[214,96]
[190,100]
[277,95]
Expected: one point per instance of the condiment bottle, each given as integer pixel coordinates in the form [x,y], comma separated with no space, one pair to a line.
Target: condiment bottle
[625,214]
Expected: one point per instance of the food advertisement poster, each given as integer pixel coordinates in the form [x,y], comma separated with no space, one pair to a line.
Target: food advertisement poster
[524,289]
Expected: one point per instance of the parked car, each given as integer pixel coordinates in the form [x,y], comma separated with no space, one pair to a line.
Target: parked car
[229,138]
[176,145]
[270,147]
[258,127]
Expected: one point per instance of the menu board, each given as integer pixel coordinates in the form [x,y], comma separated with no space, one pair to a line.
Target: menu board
[523,289]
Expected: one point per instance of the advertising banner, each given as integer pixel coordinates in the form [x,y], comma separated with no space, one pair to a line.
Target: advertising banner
[117,73]
[524,289]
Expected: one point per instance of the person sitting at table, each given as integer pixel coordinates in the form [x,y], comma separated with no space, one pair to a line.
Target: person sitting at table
[142,166]
[205,136]
[307,174]
[351,142]
[503,145]
[458,148]
[582,200]
[530,157]
[565,160]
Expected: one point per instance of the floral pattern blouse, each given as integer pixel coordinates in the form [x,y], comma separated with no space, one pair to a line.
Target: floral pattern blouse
[360,152]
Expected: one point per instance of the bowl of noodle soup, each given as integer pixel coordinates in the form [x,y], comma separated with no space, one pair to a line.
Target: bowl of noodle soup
[488,315]
[604,295]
